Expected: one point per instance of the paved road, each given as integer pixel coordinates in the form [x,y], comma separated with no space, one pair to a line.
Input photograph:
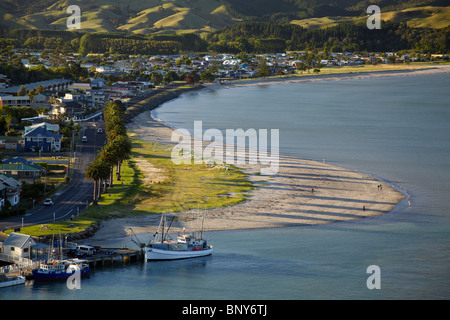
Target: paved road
[75,196]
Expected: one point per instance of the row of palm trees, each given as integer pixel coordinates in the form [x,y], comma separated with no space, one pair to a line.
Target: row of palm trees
[117,149]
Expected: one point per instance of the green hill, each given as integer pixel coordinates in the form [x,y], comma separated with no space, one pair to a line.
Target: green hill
[168,16]
[136,16]
[419,17]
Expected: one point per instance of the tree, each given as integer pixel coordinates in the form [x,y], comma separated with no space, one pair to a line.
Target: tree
[22,91]
[263,69]
[98,171]
[123,146]
[111,156]
[192,77]
[156,78]
[207,76]
[93,172]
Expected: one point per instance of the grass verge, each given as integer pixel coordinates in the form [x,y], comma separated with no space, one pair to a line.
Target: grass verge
[152,183]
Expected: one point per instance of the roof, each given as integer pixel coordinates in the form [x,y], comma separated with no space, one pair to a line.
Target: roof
[10,181]
[19,167]
[96,80]
[19,240]
[50,126]
[72,104]
[34,85]
[41,132]
[16,160]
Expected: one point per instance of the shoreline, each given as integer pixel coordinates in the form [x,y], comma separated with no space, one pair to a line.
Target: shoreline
[425,69]
[302,193]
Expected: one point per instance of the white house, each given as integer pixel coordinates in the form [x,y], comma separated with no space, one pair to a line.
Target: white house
[18,246]
[12,190]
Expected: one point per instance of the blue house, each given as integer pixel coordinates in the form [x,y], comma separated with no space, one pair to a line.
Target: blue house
[42,139]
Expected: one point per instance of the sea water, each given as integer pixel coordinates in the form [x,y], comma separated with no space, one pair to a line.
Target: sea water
[393,128]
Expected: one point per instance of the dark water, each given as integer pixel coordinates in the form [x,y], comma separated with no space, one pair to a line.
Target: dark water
[394,128]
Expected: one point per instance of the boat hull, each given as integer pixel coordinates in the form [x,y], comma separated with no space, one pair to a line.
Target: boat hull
[40,276]
[152,254]
[13,282]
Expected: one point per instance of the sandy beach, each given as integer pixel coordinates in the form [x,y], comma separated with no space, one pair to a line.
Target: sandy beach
[303,192]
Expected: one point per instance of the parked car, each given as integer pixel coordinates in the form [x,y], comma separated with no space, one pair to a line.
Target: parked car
[75,253]
[48,202]
[87,250]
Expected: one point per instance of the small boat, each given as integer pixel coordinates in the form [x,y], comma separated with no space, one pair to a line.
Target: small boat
[60,269]
[56,269]
[8,281]
[183,246]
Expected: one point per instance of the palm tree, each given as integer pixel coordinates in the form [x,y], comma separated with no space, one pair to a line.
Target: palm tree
[98,171]
[111,156]
[122,145]
[104,173]
[93,172]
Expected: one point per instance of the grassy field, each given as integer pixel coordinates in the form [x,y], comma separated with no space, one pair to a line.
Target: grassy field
[64,226]
[417,17]
[152,184]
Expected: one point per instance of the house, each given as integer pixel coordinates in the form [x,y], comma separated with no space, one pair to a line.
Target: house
[20,168]
[79,86]
[14,101]
[42,139]
[41,101]
[15,143]
[12,189]
[18,246]
[98,83]
[5,82]
[71,109]
[50,85]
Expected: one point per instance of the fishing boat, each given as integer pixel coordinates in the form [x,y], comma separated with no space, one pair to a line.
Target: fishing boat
[58,269]
[165,246]
[8,281]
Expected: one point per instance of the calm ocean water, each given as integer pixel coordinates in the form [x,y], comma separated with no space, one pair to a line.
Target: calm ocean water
[393,128]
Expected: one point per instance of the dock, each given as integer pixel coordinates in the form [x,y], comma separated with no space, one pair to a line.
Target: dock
[102,257]
[113,256]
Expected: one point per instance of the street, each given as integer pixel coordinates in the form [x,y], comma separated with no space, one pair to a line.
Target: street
[77,194]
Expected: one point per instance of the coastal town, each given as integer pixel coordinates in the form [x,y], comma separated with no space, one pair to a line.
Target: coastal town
[43,122]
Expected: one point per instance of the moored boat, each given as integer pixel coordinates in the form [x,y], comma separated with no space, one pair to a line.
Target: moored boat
[8,281]
[59,270]
[184,246]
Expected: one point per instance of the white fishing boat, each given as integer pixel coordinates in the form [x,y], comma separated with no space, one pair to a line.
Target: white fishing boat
[8,281]
[167,246]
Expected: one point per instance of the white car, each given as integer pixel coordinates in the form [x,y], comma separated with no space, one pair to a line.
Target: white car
[48,202]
